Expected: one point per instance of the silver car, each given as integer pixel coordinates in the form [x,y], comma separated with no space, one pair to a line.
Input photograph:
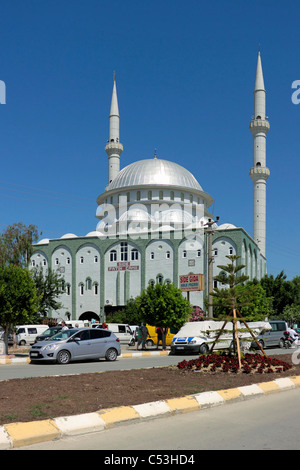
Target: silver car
[77,344]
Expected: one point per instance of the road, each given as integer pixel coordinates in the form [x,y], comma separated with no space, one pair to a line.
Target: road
[270,422]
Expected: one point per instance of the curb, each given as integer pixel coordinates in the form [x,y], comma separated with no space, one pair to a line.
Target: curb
[26,360]
[23,434]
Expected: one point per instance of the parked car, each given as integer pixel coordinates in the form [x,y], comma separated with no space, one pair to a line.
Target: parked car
[198,337]
[77,344]
[273,337]
[26,334]
[51,331]
[152,336]
[123,332]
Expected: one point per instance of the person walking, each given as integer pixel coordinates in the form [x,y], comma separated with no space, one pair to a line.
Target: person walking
[139,337]
[145,334]
[159,337]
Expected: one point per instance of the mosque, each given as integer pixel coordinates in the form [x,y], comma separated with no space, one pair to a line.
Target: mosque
[155,226]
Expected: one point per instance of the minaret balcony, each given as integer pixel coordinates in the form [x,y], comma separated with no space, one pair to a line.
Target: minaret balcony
[113,148]
[259,125]
[259,172]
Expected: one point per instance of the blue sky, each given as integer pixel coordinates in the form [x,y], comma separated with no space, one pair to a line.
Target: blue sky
[185,76]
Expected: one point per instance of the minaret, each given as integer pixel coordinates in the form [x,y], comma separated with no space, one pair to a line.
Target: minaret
[113,147]
[259,173]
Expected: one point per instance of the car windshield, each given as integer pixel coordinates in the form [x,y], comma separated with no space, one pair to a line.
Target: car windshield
[47,332]
[65,334]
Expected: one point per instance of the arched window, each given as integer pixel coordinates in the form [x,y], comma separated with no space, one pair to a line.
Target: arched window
[113,255]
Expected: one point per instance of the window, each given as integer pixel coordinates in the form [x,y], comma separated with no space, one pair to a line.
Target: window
[89,283]
[124,251]
[68,260]
[138,195]
[44,262]
[184,254]
[96,289]
[161,194]
[152,255]
[68,289]
[33,263]
[198,253]
[113,255]
[168,255]
[149,195]
[63,285]
[81,289]
[215,251]
[215,284]
[134,254]
[56,261]
[81,259]
[172,195]
[159,279]
[230,250]
[96,259]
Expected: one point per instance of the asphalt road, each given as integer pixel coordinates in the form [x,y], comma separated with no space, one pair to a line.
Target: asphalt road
[270,422]
[24,370]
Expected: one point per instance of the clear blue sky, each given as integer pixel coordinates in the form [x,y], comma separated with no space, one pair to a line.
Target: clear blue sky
[185,74]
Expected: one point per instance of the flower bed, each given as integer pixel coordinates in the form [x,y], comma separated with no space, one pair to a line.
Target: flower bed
[251,363]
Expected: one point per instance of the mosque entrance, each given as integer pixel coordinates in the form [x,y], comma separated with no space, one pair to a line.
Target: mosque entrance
[89,316]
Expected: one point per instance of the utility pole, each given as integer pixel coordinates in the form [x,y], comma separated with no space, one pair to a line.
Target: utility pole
[210,259]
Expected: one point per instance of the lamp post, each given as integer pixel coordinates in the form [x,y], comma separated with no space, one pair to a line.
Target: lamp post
[210,259]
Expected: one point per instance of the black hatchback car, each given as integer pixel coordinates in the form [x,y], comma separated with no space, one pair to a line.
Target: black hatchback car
[51,331]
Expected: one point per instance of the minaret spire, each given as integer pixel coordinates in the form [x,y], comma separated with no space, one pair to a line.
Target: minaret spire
[113,148]
[259,173]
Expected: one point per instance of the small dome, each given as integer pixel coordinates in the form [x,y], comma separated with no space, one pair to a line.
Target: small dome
[69,235]
[153,172]
[226,226]
[43,242]
[93,234]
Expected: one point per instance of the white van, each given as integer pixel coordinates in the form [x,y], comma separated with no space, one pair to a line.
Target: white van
[26,334]
[123,332]
[80,323]
[198,336]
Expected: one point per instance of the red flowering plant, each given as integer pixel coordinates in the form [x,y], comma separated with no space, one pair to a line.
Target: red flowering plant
[251,363]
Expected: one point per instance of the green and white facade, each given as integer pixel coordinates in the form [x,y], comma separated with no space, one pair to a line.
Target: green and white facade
[152,228]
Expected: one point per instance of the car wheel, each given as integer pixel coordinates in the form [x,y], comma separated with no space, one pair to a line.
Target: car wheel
[281,343]
[111,354]
[149,343]
[132,342]
[22,343]
[63,357]
[203,349]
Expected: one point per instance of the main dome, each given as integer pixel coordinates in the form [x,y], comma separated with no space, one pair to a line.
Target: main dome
[154,171]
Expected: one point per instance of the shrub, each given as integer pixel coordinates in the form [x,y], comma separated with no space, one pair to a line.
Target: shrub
[251,363]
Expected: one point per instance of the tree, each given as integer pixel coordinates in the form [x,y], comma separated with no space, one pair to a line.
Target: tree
[283,292]
[164,306]
[49,286]
[18,299]
[16,244]
[233,298]
[130,314]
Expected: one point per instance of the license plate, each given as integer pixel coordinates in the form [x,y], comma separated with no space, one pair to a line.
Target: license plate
[33,354]
[179,347]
